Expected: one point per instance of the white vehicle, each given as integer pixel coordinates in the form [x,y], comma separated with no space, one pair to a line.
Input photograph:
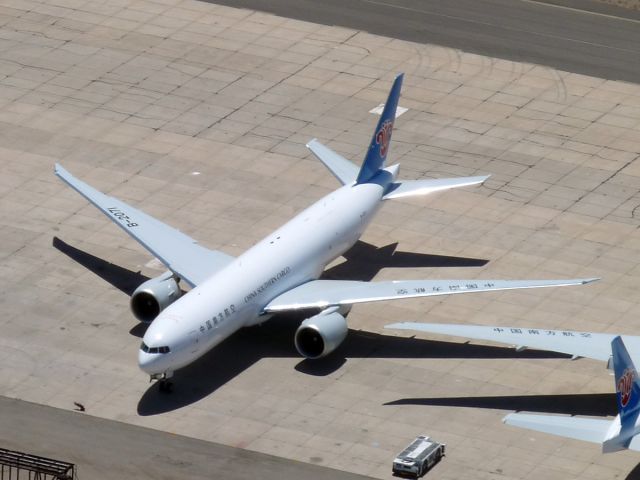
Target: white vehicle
[422,454]
[280,273]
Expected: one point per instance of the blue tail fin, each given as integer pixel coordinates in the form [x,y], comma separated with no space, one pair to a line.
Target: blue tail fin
[379,147]
[627,384]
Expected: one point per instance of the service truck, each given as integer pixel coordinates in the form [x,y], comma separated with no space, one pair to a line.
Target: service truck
[422,454]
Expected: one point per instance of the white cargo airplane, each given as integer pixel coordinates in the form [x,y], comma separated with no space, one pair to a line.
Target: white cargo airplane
[280,273]
[619,434]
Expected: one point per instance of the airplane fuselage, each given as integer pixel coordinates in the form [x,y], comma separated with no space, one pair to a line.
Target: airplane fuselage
[235,296]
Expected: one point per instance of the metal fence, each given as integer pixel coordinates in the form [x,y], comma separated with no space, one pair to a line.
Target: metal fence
[23,466]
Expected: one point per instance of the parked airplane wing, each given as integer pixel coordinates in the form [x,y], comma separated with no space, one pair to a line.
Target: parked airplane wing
[180,253]
[327,293]
[578,344]
[586,429]
[409,188]
[343,169]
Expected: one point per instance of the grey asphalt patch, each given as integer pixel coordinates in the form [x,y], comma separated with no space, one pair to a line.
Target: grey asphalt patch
[106,449]
[596,42]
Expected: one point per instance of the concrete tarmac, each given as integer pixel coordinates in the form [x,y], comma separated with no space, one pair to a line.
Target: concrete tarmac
[198,114]
[563,35]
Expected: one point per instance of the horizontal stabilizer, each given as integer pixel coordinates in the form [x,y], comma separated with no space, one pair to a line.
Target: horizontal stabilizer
[409,188]
[327,293]
[342,169]
[586,429]
[178,252]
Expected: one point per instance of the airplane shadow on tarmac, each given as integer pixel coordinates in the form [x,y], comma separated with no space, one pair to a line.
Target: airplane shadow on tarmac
[275,339]
[364,261]
[589,404]
[634,474]
[124,280]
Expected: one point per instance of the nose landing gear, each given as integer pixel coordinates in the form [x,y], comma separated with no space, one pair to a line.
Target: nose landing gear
[164,385]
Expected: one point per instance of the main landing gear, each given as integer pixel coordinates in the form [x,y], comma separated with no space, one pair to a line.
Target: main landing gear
[164,385]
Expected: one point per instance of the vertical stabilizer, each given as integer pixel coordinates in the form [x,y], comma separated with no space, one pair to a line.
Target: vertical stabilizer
[623,428]
[379,147]
[627,384]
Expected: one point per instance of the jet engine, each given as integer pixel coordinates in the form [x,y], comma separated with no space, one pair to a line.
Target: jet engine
[153,296]
[321,334]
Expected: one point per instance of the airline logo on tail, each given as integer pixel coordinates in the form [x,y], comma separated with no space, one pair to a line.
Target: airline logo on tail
[383,137]
[624,386]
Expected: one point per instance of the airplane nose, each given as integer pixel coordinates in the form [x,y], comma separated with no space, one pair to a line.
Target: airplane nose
[155,361]
[157,354]
[146,362]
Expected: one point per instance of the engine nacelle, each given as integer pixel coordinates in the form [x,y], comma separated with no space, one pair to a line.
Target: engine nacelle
[321,334]
[153,296]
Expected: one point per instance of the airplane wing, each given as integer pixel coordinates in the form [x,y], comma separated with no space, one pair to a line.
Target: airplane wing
[585,429]
[178,252]
[327,293]
[578,344]
[409,188]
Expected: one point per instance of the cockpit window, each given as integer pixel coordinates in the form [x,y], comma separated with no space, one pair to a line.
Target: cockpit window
[147,349]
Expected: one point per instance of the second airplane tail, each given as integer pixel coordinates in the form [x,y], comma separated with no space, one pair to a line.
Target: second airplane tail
[624,428]
[627,384]
[615,435]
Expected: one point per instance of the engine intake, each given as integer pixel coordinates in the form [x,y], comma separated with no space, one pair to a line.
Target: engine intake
[321,334]
[153,296]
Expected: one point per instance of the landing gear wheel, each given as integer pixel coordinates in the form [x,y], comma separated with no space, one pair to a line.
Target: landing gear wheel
[165,386]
